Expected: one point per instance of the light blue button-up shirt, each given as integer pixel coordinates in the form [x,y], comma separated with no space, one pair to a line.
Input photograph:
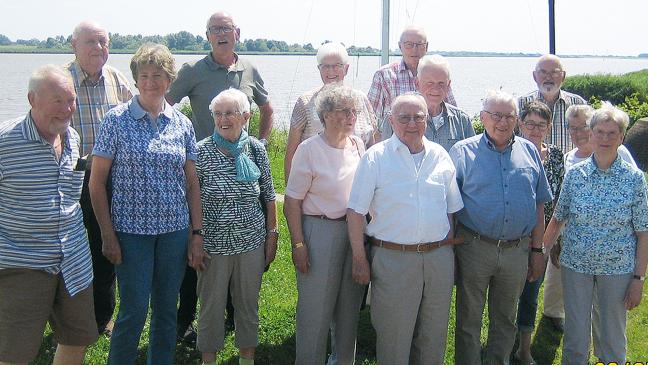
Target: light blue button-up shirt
[500,190]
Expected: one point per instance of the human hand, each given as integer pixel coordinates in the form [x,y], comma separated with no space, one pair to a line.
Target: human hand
[361,271]
[270,247]
[633,294]
[110,248]
[537,266]
[555,255]
[300,258]
[196,254]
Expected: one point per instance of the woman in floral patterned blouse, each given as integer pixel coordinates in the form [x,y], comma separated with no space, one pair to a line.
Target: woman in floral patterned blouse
[535,125]
[604,207]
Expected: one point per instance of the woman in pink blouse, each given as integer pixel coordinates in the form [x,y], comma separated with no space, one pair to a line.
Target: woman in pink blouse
[315,207]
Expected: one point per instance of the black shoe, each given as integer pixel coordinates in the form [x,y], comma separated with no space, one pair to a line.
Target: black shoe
[189,335]
[558,324]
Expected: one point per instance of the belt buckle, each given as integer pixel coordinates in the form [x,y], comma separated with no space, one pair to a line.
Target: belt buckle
[499,242]
[418,248]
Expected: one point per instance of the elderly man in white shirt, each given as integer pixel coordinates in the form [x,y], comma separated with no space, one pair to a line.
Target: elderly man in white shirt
[407,184]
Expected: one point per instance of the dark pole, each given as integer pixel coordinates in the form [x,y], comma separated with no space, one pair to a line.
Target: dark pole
[552,27]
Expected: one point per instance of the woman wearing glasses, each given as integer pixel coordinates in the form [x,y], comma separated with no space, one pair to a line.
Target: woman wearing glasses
[234,175]
[535,125]
[333,64]
[315,208]
[604,210]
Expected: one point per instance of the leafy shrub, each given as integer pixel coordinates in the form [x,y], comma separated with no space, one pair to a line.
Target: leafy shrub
[604,87]
[477,124]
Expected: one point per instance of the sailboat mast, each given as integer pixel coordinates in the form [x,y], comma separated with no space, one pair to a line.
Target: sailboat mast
[384,59]
[552,26]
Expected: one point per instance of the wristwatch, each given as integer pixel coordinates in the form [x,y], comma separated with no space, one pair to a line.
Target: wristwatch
[198,232]
[541,250]
[639,277]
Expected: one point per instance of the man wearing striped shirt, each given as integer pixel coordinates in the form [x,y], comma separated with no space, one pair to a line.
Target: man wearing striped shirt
[45,265]
[549,75]
[399,77]
[99,88]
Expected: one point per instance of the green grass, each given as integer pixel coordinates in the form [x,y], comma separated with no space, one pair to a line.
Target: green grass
[277,323]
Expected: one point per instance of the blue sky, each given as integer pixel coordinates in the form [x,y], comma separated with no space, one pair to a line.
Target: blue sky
[599,27]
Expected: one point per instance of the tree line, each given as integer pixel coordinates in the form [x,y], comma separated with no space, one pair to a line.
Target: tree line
[180,41]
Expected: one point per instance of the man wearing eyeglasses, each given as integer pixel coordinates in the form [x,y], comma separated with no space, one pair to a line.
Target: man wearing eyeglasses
[222,69]
[549,76]
[408,185]
[504,188]
[201,81]
[399,77]
[446,124]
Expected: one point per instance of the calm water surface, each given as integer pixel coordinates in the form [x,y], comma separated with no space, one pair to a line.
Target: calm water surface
[287,77]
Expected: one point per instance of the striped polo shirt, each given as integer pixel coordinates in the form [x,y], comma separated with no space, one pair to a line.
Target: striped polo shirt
[41,224]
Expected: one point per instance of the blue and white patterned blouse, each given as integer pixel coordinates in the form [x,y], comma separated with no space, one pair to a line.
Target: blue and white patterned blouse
[148,179]
[603,210]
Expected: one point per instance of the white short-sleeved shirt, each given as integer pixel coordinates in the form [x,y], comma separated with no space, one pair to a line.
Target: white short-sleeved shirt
[406,207]
[321,176]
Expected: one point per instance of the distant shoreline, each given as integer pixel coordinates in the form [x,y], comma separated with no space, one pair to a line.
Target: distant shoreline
[25,50]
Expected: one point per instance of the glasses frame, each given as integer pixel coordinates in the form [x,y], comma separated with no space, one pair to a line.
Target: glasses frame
[220,30]
[226,115]
[498,117]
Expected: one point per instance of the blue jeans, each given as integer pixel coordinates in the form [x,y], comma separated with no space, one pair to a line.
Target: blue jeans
[152,268]
[528,305]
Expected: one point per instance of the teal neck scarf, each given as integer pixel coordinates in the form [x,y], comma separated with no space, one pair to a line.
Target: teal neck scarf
[246,169]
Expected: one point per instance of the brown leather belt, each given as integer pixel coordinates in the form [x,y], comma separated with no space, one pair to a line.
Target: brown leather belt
[498,243]
[342,218]
[421,247]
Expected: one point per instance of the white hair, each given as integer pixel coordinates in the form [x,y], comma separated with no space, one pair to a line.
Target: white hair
[85,26]
[48,73]
[233,94]
[409,96]
[332,49]
[499,96]
[574,111]
[434,60]
[609,113]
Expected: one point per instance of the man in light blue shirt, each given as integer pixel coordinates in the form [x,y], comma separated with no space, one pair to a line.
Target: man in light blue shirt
[504,188]
[45,264]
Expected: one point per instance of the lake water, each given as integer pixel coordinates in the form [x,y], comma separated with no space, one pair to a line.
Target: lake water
[287,77]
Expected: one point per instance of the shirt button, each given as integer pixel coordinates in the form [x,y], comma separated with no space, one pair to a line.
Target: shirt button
[505,220]
[507,203]
[504,169]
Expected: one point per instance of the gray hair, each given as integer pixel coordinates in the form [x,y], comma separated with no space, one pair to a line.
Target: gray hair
[233,94]
[85,26]
[331,96]
[499,96]
[412,29]
[220,14]
[332,49]
[400,99]
[47,73]
[434,60]
[153,54]
[575,111]
[609,113]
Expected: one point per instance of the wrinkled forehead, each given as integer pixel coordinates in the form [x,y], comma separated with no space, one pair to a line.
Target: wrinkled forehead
[408,105]
[221,20]
[549,64]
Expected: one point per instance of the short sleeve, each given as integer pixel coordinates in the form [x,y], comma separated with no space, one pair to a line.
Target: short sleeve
[180,87]
[265,180]
[453,194]
[106,141]
[260,94]
[640,205]
[301,173]
[364,185]
[190,138]
[299,115]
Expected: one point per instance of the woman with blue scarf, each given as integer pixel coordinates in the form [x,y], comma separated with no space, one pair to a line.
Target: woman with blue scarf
[234,176]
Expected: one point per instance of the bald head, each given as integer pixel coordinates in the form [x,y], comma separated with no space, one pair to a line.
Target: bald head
[549,59]
[219,17]
[413,31]
[88,26]
[549,76]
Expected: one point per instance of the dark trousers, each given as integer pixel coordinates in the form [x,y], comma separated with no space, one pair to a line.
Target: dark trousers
[104,272]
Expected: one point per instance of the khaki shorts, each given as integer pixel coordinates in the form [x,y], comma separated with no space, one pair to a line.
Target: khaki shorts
[31,298]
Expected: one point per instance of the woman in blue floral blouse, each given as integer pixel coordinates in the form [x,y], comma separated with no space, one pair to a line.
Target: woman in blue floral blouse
[604,207]
[152,224]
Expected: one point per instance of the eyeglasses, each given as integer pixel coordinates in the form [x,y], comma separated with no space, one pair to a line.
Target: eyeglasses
[532,125]
[333,67]
[410,45]
[220,30]
[498,117]
[347,112]
[226,115]
[578,129]
[554,73]
[599,134]
[416,118]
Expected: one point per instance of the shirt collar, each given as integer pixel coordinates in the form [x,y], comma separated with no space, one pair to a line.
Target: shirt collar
[592,166]
[561,96]
[238,65]
[395,144]
[489,142]
[30,133]
[139,113]
[85,77]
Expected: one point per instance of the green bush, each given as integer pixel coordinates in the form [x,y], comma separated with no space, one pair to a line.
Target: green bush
[477,124]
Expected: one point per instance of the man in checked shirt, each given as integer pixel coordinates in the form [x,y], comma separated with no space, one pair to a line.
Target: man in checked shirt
[99,88]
